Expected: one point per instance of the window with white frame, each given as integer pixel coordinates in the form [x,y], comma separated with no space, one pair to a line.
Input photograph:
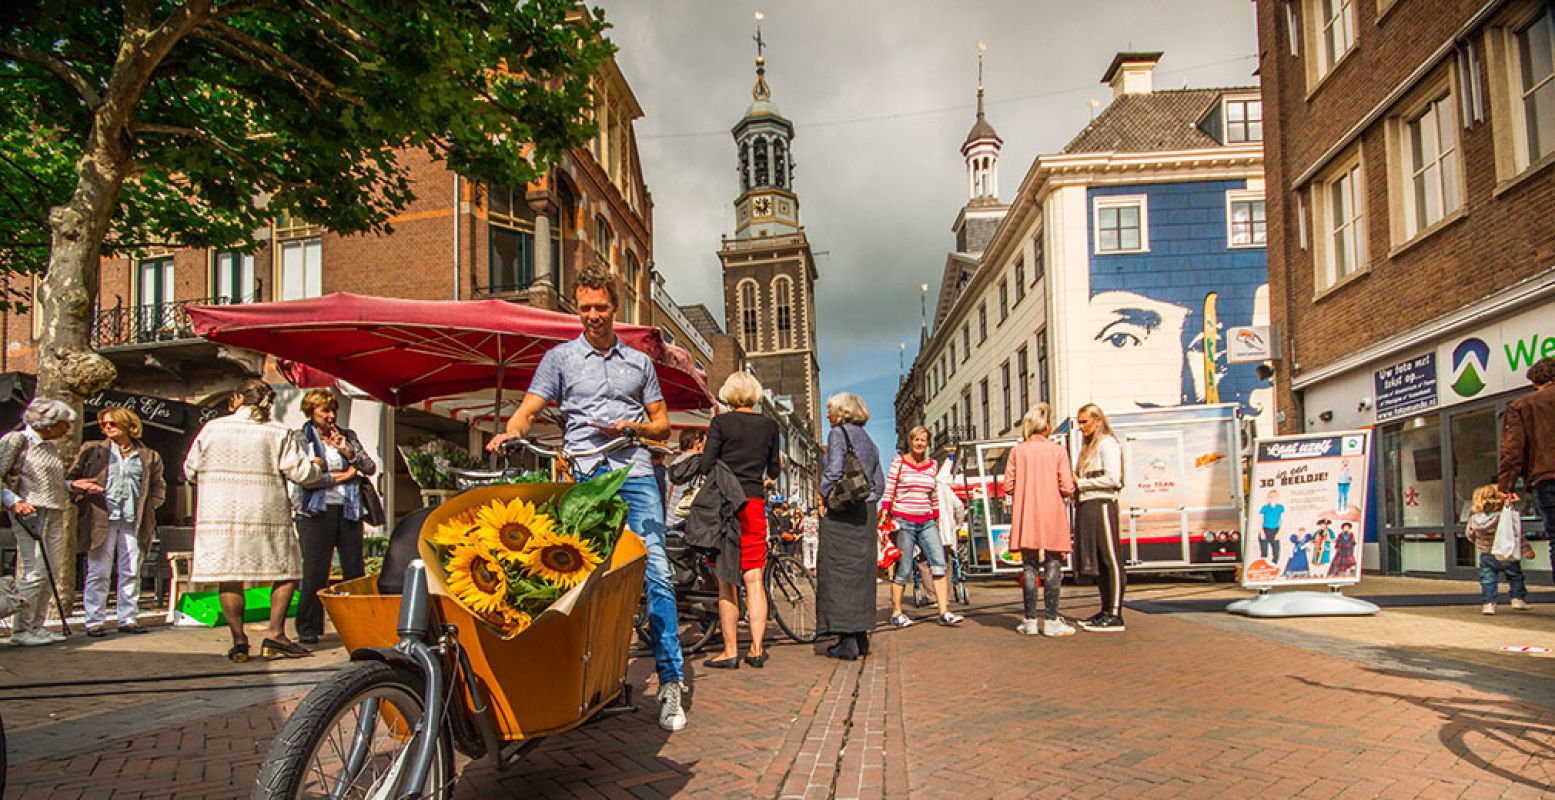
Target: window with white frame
[982,322]
[1023,379]
[1336,33]
[1020,279]
[234,277]
[1121,225]
[1534,66]
[1244,120]
[1430,149]
[1341,236]
[1246,223]
[783,289]
[1004,391]
[629,281]
[1004,300]
[302,269]
[966,340]
[748,316]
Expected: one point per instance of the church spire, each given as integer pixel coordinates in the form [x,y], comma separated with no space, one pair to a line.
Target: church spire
[761,91]
[981,148]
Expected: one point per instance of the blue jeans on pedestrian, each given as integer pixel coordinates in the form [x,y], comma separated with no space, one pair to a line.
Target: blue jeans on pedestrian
[645,516]
[1544,500]
[1490,571]
[924,536]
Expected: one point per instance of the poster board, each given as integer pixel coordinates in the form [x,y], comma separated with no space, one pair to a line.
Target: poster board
[1306,510]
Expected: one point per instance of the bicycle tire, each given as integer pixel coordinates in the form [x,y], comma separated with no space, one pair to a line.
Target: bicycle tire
[791,597]
[697,629]
[302,741]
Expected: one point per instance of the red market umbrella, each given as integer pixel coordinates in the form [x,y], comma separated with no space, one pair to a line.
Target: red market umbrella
[407,351]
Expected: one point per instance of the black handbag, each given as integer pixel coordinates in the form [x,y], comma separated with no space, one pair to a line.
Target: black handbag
[853,487]
[372,504]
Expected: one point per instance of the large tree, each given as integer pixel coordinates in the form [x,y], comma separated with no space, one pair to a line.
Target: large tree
[127,125]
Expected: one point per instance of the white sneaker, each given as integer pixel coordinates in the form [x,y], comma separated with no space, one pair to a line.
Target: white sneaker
[1056,627]
[1029,627]
[671,716]
[1519,604]
[36,638]
[53,637]
[901,620]
[1488,608]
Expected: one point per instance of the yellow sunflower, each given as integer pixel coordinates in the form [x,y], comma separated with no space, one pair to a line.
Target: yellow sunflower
[508,528]
[562,559]
[455,531]
[509,619]
[476,578]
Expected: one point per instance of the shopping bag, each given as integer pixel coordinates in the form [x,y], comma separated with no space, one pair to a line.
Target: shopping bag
[10,599]
[1507,545]
[889,553]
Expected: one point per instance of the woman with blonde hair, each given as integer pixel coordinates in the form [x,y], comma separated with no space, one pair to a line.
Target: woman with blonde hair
[748,443]
[118,485]
[1039,482]
[242,515]
[1099,480]
[331,510]
[912,500]
[846,557]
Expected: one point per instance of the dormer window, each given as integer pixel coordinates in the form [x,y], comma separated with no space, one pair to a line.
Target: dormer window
[1244,120]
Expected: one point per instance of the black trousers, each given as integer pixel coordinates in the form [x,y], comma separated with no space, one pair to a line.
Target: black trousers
[321,536]
[1101,550]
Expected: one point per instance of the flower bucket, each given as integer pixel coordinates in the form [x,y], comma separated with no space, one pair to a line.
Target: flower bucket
[546,679]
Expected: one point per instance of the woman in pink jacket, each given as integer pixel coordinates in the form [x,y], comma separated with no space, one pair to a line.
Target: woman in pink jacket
[1039,480]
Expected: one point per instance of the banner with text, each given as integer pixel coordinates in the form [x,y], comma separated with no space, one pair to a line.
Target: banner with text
[1307,509]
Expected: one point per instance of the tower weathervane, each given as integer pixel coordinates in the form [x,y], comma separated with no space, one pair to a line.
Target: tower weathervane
[761,91]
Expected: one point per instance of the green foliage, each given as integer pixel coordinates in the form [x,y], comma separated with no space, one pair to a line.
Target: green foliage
[587,506]
[250,109]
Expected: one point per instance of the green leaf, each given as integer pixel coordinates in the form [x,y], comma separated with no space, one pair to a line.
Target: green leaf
[584,507]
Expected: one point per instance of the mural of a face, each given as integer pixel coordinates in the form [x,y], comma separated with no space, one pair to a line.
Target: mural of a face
[1142,338]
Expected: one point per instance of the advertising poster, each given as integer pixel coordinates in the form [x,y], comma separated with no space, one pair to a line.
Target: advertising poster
[1181,502]
[1307,510]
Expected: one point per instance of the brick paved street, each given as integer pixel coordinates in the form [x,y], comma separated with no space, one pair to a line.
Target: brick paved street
[1185,704]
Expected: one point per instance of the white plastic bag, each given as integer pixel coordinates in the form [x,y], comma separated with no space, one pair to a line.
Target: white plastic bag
[10,599]
[1509,535]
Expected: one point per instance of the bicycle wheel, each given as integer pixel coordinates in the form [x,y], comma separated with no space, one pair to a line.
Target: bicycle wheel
[698,626]
[791,594]
[351,737]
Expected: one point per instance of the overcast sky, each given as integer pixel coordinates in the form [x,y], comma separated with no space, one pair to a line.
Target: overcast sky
[881,93]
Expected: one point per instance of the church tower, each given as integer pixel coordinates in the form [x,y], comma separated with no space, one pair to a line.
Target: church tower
[980,217]
[769,271]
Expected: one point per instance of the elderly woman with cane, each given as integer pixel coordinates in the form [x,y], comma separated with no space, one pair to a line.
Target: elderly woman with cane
[37,495]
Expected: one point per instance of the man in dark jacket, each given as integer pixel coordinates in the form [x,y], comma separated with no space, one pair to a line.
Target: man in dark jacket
[1528,444]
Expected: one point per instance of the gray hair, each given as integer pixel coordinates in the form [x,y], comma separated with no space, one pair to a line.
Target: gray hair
[848,407]
[44,414]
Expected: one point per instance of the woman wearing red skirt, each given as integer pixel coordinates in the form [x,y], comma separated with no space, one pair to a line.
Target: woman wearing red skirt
[748,443]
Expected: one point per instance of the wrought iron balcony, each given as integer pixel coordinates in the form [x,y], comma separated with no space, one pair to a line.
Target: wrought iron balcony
[954,435]
[130,326]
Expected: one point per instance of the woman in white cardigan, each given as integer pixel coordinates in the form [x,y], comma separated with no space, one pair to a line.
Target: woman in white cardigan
[243,514]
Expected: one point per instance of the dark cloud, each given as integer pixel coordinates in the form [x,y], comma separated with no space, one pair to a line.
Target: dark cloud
[882,95]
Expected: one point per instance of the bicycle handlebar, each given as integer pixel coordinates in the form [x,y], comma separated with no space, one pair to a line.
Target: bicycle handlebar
[628,438]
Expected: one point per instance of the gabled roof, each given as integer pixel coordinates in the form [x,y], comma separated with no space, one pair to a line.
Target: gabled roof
[1161,121]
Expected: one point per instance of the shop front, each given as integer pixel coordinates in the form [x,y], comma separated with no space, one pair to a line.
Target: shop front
[1436,406]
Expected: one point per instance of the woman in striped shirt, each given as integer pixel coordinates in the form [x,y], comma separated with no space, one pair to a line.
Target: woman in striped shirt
[910,498]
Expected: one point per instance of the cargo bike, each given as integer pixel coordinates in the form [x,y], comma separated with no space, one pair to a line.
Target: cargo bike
[427,678]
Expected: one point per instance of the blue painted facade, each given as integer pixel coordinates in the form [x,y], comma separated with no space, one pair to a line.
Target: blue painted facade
[1154,302]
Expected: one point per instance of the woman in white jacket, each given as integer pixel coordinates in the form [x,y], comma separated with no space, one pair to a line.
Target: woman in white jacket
[1099,477]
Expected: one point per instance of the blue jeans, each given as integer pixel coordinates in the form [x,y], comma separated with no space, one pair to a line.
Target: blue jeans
[1490,571]
[1544,500]
[924,536]
[645,516]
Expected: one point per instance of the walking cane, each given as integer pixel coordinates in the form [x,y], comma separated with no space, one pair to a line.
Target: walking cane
[43,549]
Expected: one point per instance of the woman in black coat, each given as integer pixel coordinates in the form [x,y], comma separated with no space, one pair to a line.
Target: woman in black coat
[845,563]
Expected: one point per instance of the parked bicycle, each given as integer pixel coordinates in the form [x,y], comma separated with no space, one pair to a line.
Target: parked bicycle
[790,594]
[387,725]
[953,571]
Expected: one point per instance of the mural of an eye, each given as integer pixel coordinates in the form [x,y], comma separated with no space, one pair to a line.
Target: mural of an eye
[1123,334]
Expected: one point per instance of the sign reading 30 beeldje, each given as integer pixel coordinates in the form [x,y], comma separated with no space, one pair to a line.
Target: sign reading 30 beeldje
[1306,509]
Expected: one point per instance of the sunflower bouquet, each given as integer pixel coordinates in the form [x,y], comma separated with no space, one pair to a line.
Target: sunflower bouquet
[509,559]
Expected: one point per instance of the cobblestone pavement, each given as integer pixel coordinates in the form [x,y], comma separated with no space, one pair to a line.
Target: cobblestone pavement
[1419,701]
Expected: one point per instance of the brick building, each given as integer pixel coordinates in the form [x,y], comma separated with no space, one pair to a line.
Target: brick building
[1412,265]
[458,240]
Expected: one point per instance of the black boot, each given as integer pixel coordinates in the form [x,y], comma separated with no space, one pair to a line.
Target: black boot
[863,642]
[846,648]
